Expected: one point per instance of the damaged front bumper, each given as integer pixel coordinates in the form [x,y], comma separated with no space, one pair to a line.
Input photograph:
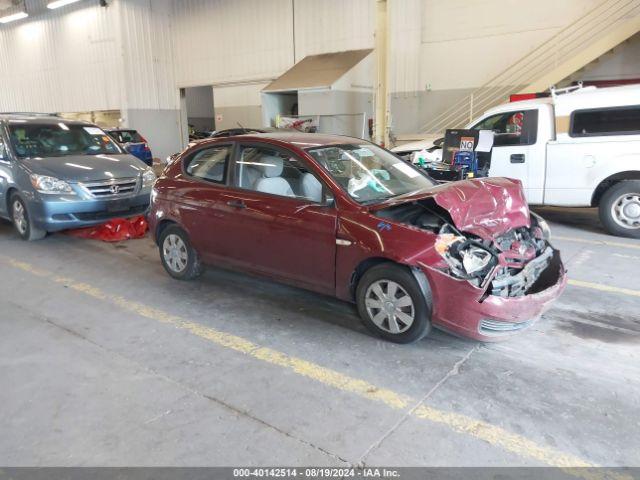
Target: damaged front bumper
[470,311]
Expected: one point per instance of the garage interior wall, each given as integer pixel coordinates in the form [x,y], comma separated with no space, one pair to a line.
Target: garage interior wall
[238,105]
[199,102]
[134,55]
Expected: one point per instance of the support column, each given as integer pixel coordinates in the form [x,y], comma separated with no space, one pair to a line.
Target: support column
[381,134]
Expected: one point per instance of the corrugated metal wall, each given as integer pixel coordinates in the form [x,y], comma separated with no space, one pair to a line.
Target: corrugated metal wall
[64,60]
[217,41]
[136,53]
[147,55]
[333,26]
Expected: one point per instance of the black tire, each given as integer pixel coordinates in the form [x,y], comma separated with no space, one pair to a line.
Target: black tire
[610,207]
[421,303]
[192,266]
[22,220]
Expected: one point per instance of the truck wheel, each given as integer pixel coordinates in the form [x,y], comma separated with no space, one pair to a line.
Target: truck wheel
[392,305]
[620,209]
[22,221]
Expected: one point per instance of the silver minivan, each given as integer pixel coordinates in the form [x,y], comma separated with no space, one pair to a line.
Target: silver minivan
[57,174]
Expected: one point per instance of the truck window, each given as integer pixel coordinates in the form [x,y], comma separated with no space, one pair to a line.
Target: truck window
[512,128]
[606,121]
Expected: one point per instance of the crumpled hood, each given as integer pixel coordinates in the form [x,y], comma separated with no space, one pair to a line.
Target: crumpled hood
[86,168]
[486,207]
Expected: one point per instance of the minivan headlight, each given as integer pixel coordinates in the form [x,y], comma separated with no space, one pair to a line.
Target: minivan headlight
[45,184]
[148,178]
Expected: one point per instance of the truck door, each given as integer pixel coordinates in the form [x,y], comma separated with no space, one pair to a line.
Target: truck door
[515,154]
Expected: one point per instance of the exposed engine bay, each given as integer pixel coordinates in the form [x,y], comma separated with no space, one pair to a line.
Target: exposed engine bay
[517,263]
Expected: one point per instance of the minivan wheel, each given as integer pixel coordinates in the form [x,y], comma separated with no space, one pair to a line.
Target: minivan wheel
[22,221]
[620,209]
[392,305]
[179,258]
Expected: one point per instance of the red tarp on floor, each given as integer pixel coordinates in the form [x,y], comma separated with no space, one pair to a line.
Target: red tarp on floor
[114,230]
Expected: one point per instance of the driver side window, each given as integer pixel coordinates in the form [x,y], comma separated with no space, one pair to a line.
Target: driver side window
[267,170]
[512,128]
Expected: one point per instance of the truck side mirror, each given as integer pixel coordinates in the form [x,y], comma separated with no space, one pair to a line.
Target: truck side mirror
[3,152]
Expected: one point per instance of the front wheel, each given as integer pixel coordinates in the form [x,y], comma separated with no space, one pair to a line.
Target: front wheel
[620,209]
[392,305]
[22,220]
[179,258]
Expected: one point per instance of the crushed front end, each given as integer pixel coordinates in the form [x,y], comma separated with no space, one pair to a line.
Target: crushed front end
[510,280]
[489,263]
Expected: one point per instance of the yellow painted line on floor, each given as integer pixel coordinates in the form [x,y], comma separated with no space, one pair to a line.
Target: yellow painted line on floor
[596,242]
[459,423]
[604,288]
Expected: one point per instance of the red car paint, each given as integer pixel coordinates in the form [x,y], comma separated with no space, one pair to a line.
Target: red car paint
[293,241]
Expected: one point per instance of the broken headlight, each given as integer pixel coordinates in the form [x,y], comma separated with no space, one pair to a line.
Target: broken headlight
[467,258]
[541,223]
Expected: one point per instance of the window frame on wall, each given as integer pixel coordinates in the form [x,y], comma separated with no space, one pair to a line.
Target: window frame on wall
[572,121]
[231,146]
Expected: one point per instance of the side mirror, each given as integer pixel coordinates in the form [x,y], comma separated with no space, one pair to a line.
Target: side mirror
[3,152]
[329,199]
[438,142]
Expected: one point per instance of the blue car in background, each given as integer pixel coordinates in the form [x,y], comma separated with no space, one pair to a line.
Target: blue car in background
[132,142]
[57,174]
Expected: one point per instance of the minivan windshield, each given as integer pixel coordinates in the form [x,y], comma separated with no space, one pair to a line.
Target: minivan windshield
[369,173]
[31,140]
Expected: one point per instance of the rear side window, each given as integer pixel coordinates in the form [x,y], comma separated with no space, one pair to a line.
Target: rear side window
[209,164]
[606,121]
[512,128]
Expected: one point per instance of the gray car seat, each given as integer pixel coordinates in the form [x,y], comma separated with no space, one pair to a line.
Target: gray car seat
[271,168]
[311,187]
[249,176]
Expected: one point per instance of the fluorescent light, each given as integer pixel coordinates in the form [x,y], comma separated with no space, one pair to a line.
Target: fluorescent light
[60,3]
[14,17]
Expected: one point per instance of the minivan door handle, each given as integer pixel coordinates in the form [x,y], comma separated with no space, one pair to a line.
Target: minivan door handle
[236,204]
[517,158]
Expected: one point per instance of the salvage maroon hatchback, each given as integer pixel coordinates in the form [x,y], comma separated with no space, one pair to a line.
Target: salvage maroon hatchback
[344,217]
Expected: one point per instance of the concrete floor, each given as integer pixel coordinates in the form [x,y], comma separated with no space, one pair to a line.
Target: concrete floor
[106,361]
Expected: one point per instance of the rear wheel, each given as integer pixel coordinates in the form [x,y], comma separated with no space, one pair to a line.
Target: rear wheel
[22,221]
[179,258]
[392,305]
[620,209]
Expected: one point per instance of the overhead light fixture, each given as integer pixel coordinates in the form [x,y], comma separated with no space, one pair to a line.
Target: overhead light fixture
[13,17]
[60,3]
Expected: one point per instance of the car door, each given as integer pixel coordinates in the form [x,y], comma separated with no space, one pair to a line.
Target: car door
[280,222]
[5,172]
[201,198]
[515,134]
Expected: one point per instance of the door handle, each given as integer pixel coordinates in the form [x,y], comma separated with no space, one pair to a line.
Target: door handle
[236,204]
[517,158]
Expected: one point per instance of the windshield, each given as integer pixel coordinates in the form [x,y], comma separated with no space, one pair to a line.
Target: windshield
[31,140]
[369,173]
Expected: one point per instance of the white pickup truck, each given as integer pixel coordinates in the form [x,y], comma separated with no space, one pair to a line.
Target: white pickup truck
[575,149]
